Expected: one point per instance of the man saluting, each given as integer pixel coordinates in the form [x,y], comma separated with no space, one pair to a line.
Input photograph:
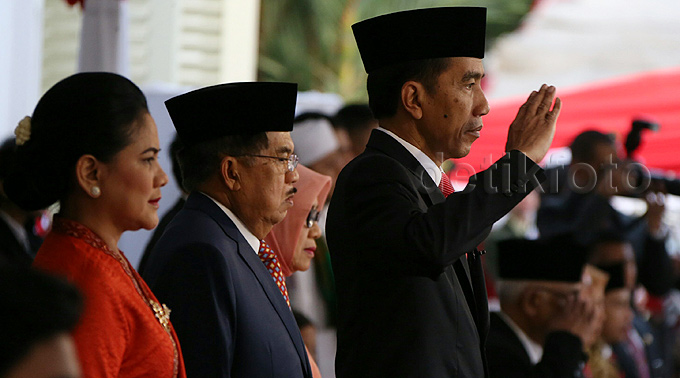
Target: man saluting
[411,295]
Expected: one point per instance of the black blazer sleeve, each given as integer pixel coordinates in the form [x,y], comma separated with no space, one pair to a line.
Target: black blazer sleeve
[386,200]
[193,276]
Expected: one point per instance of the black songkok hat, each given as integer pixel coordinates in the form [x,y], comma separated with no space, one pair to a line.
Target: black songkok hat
[232,109]
[421,34]
[617,275]
[556,259]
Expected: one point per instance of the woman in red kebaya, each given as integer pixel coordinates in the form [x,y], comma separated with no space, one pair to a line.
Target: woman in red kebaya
[92,146]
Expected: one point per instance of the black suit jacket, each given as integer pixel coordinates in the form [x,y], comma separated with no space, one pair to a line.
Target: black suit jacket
[158,232]
[12,252]
[563,355]
[409,302]
[655,361]
[230,317]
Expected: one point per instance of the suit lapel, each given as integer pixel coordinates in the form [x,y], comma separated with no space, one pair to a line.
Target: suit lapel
[258,269]
[430,193]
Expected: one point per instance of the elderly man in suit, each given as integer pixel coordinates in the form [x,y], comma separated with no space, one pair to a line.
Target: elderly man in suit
[545,321]
[411,295]
[238,164]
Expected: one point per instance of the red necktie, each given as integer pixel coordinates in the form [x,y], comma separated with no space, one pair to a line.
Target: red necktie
[271,262]
[445,185]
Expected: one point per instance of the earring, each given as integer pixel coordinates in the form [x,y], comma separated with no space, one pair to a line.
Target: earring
[95,191]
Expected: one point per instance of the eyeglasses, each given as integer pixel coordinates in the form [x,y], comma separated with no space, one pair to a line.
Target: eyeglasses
[312,217]
[292,160]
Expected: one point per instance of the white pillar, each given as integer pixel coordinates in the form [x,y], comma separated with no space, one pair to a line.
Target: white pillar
[240,36]
[20,60]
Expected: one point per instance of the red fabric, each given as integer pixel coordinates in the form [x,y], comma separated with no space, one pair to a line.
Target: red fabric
[445,185]
[74,2]
[608,106]
[118,334]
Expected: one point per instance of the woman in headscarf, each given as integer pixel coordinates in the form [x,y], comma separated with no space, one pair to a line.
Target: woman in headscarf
[293,240]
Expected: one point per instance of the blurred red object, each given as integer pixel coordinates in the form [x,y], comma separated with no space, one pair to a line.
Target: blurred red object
[74,2]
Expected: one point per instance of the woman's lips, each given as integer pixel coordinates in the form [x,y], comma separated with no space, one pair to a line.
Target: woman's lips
[311,251]
[154,202]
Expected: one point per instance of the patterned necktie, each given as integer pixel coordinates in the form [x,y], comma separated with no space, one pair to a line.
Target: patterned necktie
[271,262]
[445,185]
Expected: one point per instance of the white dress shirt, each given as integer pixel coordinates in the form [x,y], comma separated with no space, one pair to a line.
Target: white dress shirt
[252,240]
[534,350]
[430,166]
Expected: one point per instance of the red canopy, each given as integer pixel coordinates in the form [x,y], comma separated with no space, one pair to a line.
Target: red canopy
[607,106]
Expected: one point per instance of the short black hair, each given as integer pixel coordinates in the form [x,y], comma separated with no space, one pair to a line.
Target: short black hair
[384,84]
[34,306]
[353,116]
[583,146]
[301,320]
[198,162]
[175,147]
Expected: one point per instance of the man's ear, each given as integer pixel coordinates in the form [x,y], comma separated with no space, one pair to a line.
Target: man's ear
[89,174]
[412,97]
[229,170]
[531,302]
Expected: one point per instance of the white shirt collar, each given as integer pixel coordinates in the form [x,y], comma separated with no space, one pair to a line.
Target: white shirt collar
[434,171]
[534,350]
[252,240]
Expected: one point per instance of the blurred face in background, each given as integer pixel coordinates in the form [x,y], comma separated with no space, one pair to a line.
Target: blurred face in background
[594,283]
[618,315]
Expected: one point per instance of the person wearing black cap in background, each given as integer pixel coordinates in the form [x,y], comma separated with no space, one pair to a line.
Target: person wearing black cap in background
[544,321]
[238,165]
[410,304]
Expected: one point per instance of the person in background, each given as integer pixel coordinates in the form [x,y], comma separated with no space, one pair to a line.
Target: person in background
[598,365]
[411,294]
[308,331]
[19,241]
[544,322]
[38,312]
[239,167]
[357,121]
[618,314]
[640,353]
[167,217]
[92,145]
[317,145]
[322,151]
[294,239]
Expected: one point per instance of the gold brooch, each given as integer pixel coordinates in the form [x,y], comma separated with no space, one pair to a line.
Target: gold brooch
[162,314]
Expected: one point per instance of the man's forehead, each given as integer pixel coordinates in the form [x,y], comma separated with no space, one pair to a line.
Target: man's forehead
[280,141]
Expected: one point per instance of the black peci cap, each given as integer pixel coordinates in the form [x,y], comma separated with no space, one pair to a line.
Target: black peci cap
[421,34]
[232,109]
[556,259]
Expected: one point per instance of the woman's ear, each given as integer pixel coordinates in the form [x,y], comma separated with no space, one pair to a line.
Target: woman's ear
[412,93]
[230,172]
[88,175]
